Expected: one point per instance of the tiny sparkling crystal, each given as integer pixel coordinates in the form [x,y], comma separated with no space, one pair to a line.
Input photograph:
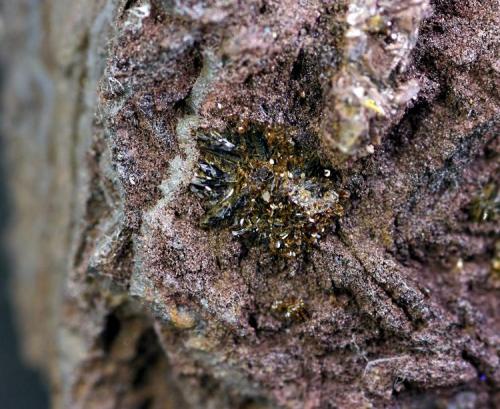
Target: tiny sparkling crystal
[259,183]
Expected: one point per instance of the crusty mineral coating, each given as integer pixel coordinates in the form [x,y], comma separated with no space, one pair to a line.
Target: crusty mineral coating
[401,297]
[366,95]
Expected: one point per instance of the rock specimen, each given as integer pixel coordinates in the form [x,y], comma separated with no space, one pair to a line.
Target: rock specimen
[257,204]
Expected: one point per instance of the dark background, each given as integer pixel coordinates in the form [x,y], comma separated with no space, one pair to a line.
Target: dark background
[20,386]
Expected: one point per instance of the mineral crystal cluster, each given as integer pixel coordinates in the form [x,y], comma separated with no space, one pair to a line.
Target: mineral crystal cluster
[265,188]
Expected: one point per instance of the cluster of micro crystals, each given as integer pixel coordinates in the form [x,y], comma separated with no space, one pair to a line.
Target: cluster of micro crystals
[379,35]
[267,190]
[486,206]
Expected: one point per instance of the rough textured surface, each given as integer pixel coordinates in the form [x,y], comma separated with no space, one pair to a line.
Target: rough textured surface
[129,303]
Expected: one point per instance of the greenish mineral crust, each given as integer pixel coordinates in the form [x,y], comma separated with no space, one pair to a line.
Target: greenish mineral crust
[268,190]
[486,206]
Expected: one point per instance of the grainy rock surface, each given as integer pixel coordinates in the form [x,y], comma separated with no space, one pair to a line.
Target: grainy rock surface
[126,302]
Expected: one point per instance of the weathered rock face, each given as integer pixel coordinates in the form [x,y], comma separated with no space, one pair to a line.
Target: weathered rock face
[390,110]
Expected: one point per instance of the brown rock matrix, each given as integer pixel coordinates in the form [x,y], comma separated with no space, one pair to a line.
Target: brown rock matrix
[256,204]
